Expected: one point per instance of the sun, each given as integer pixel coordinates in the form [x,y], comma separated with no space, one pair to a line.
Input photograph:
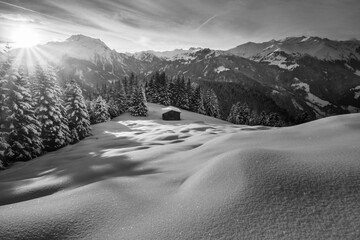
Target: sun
[25,37]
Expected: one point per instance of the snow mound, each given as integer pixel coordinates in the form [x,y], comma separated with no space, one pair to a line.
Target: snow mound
[199,178]
[221,69]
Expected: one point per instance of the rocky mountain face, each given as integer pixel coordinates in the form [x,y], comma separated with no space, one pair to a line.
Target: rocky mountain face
[300,74]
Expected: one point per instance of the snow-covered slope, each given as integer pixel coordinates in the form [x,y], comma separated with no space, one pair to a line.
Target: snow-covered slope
[322,49]
[199,178]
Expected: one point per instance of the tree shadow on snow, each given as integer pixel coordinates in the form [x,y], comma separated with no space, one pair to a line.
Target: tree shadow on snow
[52,173]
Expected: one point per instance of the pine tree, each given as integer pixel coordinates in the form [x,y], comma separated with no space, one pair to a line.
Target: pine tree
[5,72]
[90,109]
[275,120]
[173,94]
[120,99]
[188,93]
[4,76]
[211,103]
[150,90]
[182,98]
[100,111]
[113,109]
[50,110]
[196,102]
[65,123]
[239,113]
[24,136]
[76,112]
[138,107]
[162,94]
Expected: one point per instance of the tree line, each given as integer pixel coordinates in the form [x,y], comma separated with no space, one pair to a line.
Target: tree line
[185,94]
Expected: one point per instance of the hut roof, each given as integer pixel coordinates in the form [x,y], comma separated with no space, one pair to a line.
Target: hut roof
[170,108]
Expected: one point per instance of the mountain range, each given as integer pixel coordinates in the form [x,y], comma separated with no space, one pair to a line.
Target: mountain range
[298,74]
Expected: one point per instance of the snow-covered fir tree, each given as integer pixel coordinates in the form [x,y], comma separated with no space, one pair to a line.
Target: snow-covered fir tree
[196,102]
[173,93]
[150,90]
[113,108]
[120,98]
[275,120]
[65,123]
[138,107]
[5,73]
[76,111]
[50,111]
[162,88]
[211,103]
[239,113]
[188,93]
[100,111]
[24,128]
[182,101]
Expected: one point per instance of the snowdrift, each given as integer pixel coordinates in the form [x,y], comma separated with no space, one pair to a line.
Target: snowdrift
[199,178]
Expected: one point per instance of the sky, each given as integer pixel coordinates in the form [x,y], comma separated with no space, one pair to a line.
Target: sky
[137,25]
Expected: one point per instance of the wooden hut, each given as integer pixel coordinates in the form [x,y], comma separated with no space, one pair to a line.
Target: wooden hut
[170,113]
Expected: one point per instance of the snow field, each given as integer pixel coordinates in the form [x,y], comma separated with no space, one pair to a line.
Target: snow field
[199,178]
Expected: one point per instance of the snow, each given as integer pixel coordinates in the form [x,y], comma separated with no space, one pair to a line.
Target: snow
[356,92]
[177,54]
[269,47]
[351,109]
[221,69]
[305,39]
[296,104]
[357,95]
[200,178]
[348,67]
[310,97]
[322,49]
[82,47]
[281,62]
[170,108]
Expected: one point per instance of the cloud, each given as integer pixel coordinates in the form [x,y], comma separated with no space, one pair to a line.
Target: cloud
[163,24]
[204,23]
[16,18]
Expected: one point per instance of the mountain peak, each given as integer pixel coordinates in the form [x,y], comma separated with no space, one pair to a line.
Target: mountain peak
[86,40]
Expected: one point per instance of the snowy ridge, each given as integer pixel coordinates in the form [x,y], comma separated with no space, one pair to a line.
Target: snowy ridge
[183,55]
[172,55]
[323,49]
[144,56]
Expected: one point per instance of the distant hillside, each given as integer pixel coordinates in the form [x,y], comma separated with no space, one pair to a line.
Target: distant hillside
[298,74]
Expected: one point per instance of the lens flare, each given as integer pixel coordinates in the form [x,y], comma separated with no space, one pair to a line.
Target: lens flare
[25,37]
